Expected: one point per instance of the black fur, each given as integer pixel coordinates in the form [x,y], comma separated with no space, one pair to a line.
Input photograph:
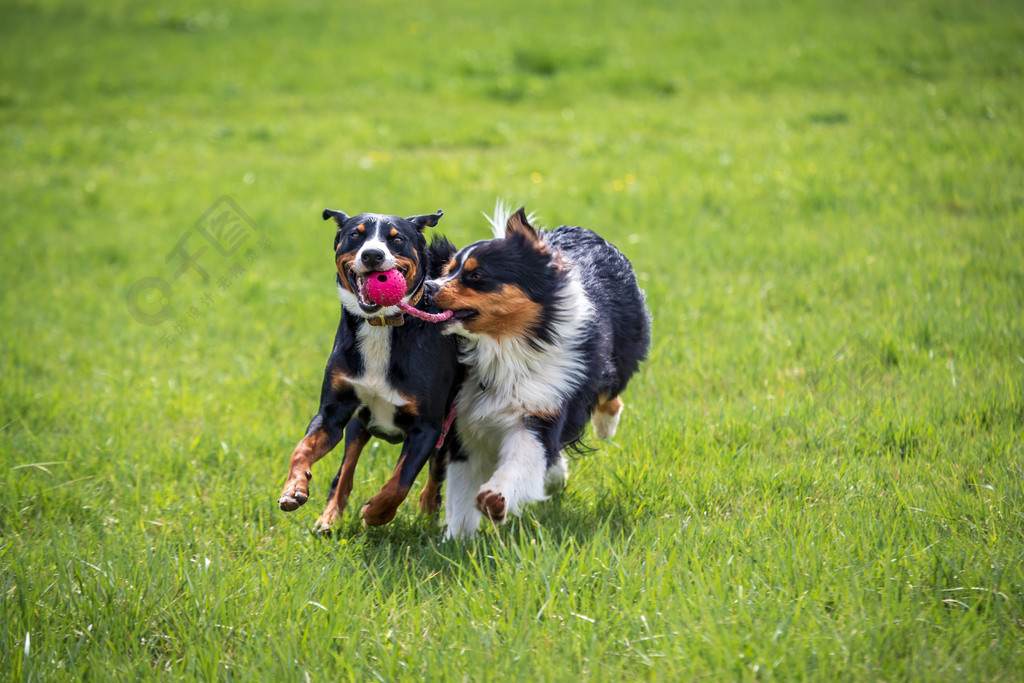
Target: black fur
[571,326]
[617,340]
[614,343]
[408,243]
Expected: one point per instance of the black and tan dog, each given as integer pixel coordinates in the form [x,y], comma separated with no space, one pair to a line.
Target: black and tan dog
[389,375]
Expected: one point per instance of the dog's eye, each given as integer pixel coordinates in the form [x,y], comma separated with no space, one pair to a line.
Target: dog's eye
[355,234]
[397,239]
[472,276]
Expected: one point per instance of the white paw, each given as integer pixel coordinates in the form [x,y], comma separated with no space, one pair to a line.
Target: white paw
[606,418]
[557,475]
[462,528]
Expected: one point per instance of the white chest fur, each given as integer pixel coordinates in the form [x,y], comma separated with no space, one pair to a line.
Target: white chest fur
[372,386]
[510,379]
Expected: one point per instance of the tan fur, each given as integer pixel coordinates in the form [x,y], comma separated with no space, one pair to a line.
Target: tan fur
[307,452]
[409,267]
[382,508]
[504,313]
[344,263]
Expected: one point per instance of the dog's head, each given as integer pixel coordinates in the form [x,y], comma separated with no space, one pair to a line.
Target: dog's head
[503,287]
[370,243]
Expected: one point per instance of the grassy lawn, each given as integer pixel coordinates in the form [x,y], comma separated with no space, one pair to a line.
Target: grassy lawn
[820,472]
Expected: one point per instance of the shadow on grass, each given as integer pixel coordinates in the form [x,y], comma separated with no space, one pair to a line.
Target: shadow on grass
[404,554]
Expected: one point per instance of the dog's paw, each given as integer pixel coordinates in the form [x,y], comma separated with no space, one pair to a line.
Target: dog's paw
[378,511]
[557,475]
[324,523]
[606,417]
[296,491]
[459,532]
[292,501]
[492,505]
[430,498]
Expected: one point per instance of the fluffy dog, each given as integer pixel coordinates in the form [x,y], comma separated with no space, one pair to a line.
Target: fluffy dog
[552,327]
[388,376]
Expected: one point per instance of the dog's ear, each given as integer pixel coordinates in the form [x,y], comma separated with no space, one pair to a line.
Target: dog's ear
[519,224]
[338,216]
[427,220]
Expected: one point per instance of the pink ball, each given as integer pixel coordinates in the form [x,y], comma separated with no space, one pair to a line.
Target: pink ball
[385,288]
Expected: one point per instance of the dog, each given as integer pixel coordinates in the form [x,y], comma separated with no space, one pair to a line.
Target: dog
[552,327]
[388,375]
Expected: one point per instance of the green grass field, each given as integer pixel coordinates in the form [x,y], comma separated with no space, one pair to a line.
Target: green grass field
[820,473]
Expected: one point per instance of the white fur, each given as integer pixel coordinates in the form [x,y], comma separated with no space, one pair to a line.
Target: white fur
[372,386]
[465,477]
[557,474]
[509,379]
[605,424]
[375,242]
[502,212]
[519,476]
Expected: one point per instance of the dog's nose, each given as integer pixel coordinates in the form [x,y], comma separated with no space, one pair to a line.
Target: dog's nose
[431,287]
[372,258]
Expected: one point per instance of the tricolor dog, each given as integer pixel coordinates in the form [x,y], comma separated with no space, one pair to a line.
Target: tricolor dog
[389,374]
[552,326]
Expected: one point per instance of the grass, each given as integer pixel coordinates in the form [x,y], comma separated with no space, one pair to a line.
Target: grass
[819,474]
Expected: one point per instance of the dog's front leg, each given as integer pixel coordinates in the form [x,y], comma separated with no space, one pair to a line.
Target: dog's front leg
[466,473]
[419,443]
[519,478]
[323,433]
[356,438]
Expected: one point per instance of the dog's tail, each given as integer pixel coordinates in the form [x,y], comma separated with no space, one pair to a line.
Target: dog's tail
[502,212]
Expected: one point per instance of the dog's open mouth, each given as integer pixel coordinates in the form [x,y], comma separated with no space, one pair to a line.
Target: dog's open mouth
[357,282]
[464,315]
